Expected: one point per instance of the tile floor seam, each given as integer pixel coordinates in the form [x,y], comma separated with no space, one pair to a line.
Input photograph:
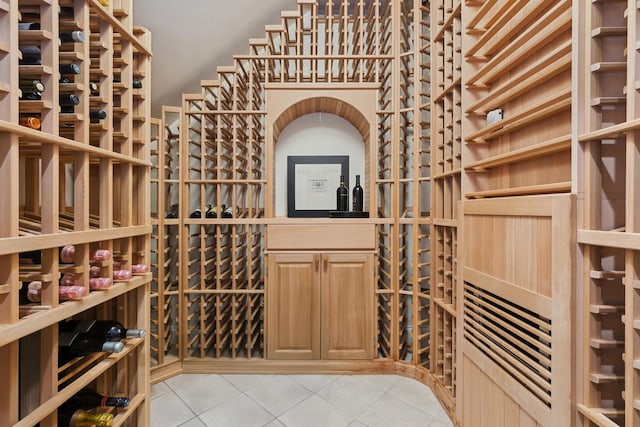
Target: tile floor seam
[348,415]
[275,417]
[185,404]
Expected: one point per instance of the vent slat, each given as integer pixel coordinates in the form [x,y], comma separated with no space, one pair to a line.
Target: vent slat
[515,338]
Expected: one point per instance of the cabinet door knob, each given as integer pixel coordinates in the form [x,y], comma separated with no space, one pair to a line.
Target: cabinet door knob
[325,264]
[316,261]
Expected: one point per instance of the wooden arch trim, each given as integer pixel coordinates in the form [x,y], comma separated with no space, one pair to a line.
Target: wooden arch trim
[322,104]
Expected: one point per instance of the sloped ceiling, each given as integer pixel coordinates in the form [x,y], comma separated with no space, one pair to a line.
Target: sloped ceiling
[190,38]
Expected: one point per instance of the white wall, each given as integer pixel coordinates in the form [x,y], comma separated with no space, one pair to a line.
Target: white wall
[317,134]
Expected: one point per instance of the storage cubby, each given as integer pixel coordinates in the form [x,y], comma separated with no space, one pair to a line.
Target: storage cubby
[55,171]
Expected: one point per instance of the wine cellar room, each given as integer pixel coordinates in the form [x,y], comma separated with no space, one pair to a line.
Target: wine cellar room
[320,213]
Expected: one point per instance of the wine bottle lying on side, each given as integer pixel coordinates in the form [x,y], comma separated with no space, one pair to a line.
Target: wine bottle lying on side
[89,399]
[103,330]
[72,345]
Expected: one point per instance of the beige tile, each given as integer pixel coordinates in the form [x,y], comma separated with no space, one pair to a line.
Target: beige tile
[204,393]
[240,411]
[417,394]
[159,388]
[278,394]
[183,380]
[245,382]
[391,412]
[167,410]
[314,382]
[351,394]
[194,422]
[382,382]
[315,412]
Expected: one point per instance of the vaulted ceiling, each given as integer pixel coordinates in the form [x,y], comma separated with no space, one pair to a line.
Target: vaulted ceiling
[190,38]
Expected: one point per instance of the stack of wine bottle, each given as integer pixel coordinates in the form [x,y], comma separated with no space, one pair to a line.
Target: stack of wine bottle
[82,337]
[68,288]
[89,408]
[212,212]
[342,196]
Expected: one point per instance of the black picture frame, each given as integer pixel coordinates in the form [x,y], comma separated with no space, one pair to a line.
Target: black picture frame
[299,171]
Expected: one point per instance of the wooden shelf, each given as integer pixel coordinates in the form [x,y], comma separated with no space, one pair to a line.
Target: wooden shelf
[43,158]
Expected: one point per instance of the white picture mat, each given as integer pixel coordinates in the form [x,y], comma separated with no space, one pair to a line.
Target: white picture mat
[316,186]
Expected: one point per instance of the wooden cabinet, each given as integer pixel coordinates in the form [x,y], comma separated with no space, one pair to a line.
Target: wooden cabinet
[294,302]
[346,327]
[319,303]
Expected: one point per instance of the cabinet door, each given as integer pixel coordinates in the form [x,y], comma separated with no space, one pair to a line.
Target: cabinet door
[293,295]
[347,306]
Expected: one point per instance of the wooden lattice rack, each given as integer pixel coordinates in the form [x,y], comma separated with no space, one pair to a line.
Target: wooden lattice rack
[76,181]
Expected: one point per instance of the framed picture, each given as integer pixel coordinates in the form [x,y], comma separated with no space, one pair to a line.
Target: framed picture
[312,182]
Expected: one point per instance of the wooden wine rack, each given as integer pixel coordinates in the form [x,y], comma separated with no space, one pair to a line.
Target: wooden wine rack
[516,127]
[166,238]
[607,229]
[446,144]
[74,182]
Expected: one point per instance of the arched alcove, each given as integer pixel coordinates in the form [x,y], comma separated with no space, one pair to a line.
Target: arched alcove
[355,107]
[316,134]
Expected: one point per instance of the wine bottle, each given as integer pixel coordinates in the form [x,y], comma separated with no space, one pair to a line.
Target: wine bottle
[212,212]
[97,114]
[68,279]
[197,213]
[173,212]
[105,330]
[30,96]
[34,292]
[139,268]
[30,51]
[28,85]
[77,344]
[94,88]
[100,254]
[99,283]
[69,68]
[73,417]
[28,25]
[342,196]
[67,254]
[227,212]
[136,84]
[89,399]
[121,274]
[30,122]
[71,36]
[68,100]
[30,60]
[95,271]
[104,2]
[358,196]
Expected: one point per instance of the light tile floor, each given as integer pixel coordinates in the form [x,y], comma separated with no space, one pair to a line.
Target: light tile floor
[197,400]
